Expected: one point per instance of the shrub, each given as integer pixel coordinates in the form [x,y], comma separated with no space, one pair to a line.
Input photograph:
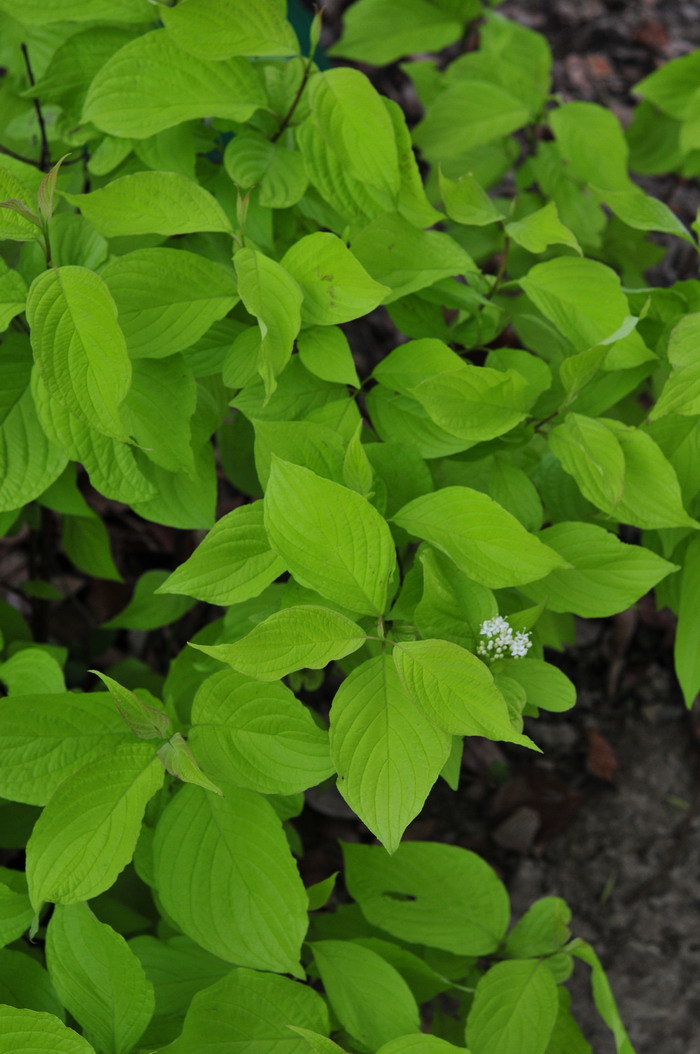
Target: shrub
[194,211]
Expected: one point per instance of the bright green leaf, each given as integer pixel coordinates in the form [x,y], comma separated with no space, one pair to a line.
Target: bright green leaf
[44,739]
[34,1032]
[370,998]
[217,29]
[325,352]
[98,978]
[455,690]
[258,736]
[330,538]
[442,896]
[87,833]
[336,287]
[605,576]
[386,752]
[248,1011]
[225,874]
[233,563]
[78,346]
[151,203]
[151,84]
[167,298]
[515,1005]
[484,540]
[303,637]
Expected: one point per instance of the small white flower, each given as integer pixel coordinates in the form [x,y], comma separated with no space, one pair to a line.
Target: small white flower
[500,640]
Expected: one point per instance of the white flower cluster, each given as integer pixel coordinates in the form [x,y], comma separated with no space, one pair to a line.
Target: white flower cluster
[501,641]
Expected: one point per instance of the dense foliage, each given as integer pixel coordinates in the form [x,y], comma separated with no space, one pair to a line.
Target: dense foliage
[193,211]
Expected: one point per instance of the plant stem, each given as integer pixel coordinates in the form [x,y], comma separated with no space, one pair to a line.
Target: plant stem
[295,102]
[501,270]
[45,157]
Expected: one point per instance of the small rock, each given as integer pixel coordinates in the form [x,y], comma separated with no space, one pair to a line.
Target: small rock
[518,832]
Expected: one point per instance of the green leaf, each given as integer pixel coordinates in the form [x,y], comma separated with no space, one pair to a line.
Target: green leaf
[251,160]
[167,298]
[35,12]
[540,229]
[455,690]
[151,84]
[158,411]
[484,540]
[467,202]
[86,543]
[578,124]
[303,637]
[257,736]
[369,997]
[181,499]
[452,606]
[418,1045]
[151,203]
[336,287]
[325,352]
[147,609]
[603,997]
[247,1011]
[372,34]
[16,913]
[330,538]
[34,1032]
[225,874]
[25,983]
[111,465]
[318,1044]
[217,29]
[87,833]
[545,685]
[357,470]
[406,366]
[386,752]
[98,978]
[145,721]
[320,892]
[515,1006]
[467,114]
[681,392]
[233,563]
[398,255]
[13,223]
[412,202]
[583,298]
[32,671]
[541,931]
[442,896]
[13,295]
[476,403]
[79,348]
[179,761]
[270,293]
[313,446]
[652,494]
[605,576]
[177,969]
[686,652]
[351,116]
[44,739]
[592,454]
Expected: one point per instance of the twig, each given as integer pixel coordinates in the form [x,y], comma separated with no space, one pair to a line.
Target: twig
[45,158]
[295,102]
[501,270]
